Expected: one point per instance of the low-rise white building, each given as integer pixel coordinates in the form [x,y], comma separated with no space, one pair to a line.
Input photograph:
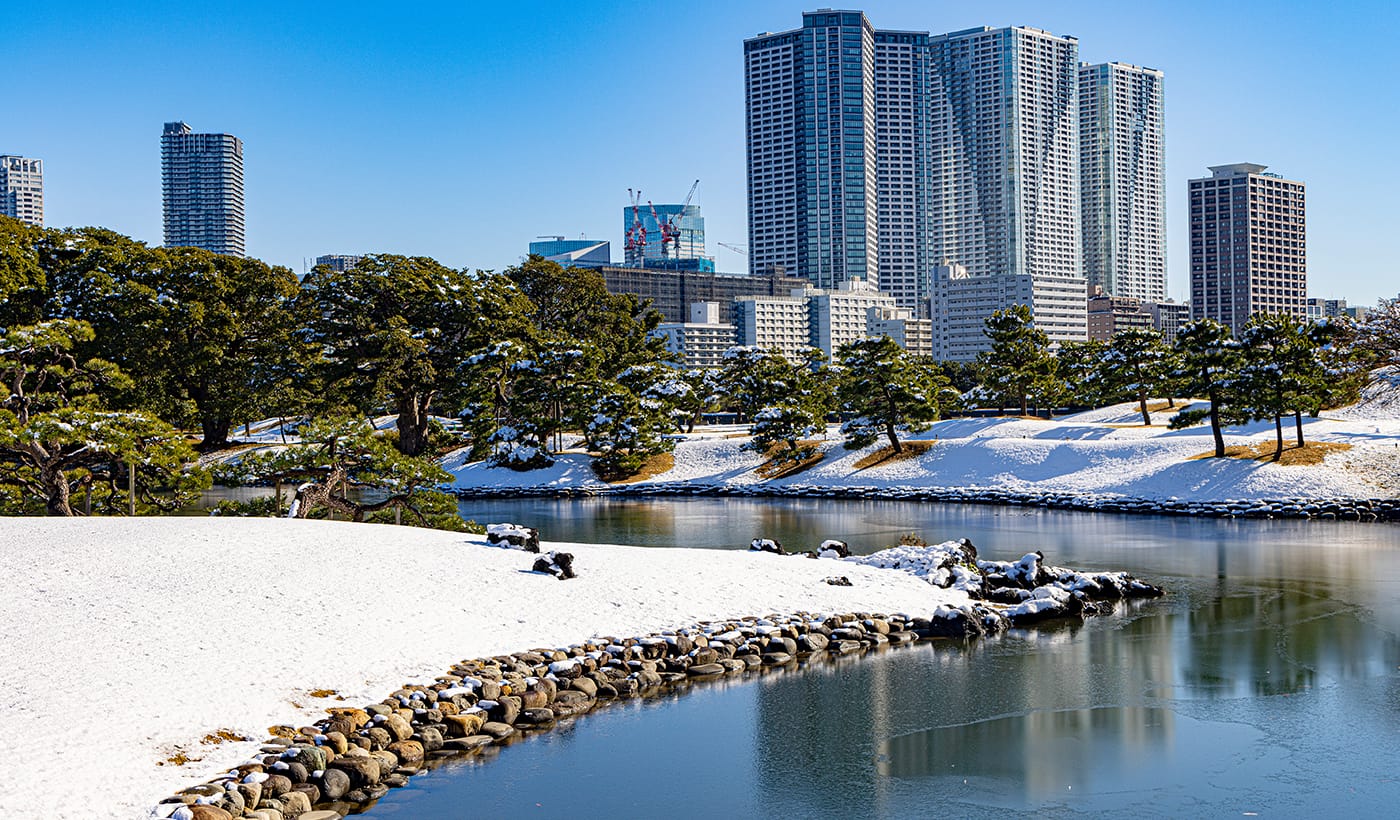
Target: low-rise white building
[701,342]
[838,316]
[914,335]
[959,305]
[770,322]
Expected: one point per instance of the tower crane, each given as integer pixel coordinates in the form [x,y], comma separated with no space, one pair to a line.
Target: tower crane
[670,231]
[636,239]
[660,226]
[739,249]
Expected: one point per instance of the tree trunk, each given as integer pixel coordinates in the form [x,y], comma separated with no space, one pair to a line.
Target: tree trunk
[1215,429]
[1278,437]
[215,433]
[894,439]
[413,423]
[1024,409]
[1142,405]
[1298,425]
[56,486]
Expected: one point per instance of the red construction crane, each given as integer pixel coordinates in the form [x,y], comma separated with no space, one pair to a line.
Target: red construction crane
[660,225]
[636,239]
[670,231]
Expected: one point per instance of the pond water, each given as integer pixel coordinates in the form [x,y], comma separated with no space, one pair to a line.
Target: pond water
[1267,682]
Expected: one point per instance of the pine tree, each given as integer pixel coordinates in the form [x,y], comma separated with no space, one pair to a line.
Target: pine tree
[1019,363]
[57,438]
[1208,365]
[345,466]
[885,390]
[1137,363]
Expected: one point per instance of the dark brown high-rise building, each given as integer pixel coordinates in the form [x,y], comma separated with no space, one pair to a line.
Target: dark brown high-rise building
[1249,250]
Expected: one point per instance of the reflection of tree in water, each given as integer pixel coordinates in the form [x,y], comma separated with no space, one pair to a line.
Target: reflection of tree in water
[1277,640]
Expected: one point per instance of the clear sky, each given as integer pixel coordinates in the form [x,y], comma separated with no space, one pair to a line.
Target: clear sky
[463,130]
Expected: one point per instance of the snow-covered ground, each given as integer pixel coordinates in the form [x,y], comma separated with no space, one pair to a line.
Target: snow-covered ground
[127,641]
[1103,451]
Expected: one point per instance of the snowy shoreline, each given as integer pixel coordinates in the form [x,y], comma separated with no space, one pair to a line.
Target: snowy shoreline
[1323,509]
[183,632]
[1101,461]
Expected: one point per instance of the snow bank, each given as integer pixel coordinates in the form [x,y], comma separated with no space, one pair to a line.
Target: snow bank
[1081,454]
[172,629]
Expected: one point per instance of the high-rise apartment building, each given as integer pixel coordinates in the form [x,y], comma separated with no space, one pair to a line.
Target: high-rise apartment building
[1004,174]
[201,179]
[1122,167]
[874,154]
[1248,245]
[22,188]
[812,148]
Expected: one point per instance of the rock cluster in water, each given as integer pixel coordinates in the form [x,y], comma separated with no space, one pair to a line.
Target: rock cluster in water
[348,760]
[1324,509]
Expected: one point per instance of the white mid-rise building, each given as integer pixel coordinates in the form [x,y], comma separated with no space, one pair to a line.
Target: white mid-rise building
[1123,177]
[701,342]
[914,335]
[837,317]
[960,304]
[773,322]
[22,189]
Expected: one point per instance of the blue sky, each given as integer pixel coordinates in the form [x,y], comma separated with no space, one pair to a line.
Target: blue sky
[463,130]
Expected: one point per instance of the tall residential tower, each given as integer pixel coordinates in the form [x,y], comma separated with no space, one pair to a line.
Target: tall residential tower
[811,149]
[22,189]
[1122,150]
[1249,250]
[1004,174]
[201,178]
[879,155]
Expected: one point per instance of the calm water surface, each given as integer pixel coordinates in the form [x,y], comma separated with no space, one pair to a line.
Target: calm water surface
[1268,683]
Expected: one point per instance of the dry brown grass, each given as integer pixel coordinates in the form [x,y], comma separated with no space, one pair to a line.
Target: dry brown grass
[654,466]
[1311,453]
[781,464]
[887,455]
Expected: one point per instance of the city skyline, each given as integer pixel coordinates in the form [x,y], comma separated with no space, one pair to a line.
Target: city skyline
[474,143]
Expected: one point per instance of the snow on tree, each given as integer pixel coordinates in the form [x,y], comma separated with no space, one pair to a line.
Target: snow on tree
[786,423]
[346,466]
[1137,363]
[1019,363]
[885,390]
[626,430]
[56,438]
[395,331]
[1208,363]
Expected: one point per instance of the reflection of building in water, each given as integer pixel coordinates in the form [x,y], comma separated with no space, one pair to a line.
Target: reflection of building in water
[886,704]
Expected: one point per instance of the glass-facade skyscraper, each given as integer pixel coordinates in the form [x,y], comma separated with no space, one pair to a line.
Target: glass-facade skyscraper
[878,155]
[1123,170]
[812,149]
[201,178]
[688,246]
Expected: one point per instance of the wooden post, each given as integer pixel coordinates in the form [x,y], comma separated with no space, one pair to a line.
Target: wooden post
[277,499]
[398,514]
[131,488]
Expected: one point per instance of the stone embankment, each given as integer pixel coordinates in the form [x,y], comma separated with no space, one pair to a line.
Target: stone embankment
[1324,509]
[348,760]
